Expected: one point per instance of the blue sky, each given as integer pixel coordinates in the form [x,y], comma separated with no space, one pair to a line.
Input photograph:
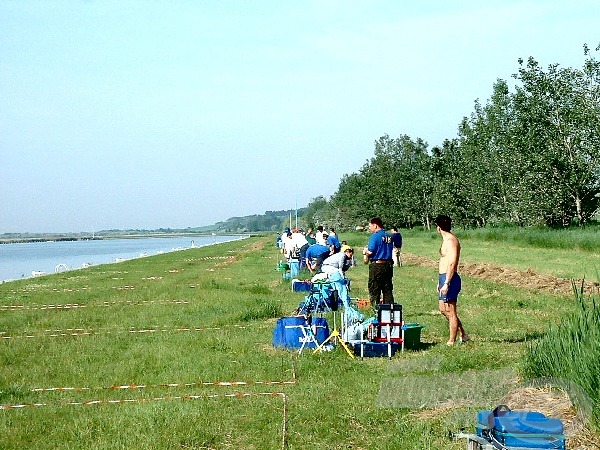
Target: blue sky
[148,114]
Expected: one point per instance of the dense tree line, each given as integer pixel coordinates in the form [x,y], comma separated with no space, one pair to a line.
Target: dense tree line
[269,221]
[528,156]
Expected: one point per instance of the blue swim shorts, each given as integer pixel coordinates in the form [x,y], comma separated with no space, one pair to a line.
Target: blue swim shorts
[453,287]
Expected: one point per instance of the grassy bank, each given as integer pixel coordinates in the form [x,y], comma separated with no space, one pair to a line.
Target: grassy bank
[148,350]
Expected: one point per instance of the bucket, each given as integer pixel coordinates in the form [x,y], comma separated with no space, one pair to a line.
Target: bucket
[282,267]
[412,335]
[294,268]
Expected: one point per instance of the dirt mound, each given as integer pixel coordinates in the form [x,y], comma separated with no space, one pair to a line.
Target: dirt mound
[524,279]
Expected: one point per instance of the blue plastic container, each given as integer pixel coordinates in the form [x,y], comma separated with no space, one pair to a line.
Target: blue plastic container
[292,332]
[523,429]
[294,268]
[374,349]
[301,286]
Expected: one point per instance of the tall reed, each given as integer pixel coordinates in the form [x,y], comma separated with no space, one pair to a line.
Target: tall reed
[571,351]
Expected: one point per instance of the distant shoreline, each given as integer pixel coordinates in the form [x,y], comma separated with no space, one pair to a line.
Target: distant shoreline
[47,239]
[46,257]
[65,237]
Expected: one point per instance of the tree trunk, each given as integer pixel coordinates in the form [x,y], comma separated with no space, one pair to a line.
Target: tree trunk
[580,216]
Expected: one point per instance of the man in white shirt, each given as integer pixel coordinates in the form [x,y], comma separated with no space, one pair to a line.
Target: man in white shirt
[321,236]
[300,243]
[288,243]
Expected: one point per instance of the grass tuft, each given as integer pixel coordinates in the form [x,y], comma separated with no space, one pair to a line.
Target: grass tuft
[259,290]
[265,309]
[583,239]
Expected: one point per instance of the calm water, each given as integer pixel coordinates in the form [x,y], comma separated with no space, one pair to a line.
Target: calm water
[21,260]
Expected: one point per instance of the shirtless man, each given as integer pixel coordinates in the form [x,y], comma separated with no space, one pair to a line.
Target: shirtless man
[449,282]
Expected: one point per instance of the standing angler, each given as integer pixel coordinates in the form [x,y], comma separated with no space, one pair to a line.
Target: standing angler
[397,252]
[381,267]
[449,282]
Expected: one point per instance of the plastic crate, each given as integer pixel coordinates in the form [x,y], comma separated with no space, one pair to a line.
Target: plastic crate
[521,429]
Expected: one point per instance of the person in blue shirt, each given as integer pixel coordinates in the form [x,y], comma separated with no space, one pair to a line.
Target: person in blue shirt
[315,254]
[334,243]
[381,266]
[397,252]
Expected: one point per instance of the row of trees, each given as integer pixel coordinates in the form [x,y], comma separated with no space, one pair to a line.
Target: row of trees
[526,157]
[269,221]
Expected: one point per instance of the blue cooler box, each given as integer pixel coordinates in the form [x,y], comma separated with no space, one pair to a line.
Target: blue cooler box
[523,429]
[292,332]
[301,286]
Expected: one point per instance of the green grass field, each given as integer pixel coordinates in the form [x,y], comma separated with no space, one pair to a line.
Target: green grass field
[174,351]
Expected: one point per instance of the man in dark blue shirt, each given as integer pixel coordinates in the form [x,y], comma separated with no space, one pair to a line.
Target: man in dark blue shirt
[396,252]
[381,267]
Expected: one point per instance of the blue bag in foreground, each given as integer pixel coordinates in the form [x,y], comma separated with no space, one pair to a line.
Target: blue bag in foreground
[520,429]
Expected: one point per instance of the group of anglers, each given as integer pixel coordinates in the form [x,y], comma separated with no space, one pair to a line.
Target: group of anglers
[323,254]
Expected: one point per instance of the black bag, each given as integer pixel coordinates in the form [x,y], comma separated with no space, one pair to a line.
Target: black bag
[334,300]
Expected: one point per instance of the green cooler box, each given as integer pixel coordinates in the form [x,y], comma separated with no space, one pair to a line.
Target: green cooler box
[412,335]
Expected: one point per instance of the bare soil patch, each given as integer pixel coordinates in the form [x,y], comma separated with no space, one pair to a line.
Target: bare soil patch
[523,279]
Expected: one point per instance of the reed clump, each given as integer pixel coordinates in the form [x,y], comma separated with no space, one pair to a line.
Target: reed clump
[570,352]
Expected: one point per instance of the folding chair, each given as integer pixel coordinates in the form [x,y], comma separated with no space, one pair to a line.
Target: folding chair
[319,294]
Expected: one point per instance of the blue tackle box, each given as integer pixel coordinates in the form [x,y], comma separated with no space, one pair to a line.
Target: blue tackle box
[368,349]
[301,286]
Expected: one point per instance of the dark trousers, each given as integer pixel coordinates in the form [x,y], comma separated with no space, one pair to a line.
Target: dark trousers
[303,251]
[381,278]
[303,255]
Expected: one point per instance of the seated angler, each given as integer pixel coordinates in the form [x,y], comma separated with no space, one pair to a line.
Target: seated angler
[339,262]
[310,236]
